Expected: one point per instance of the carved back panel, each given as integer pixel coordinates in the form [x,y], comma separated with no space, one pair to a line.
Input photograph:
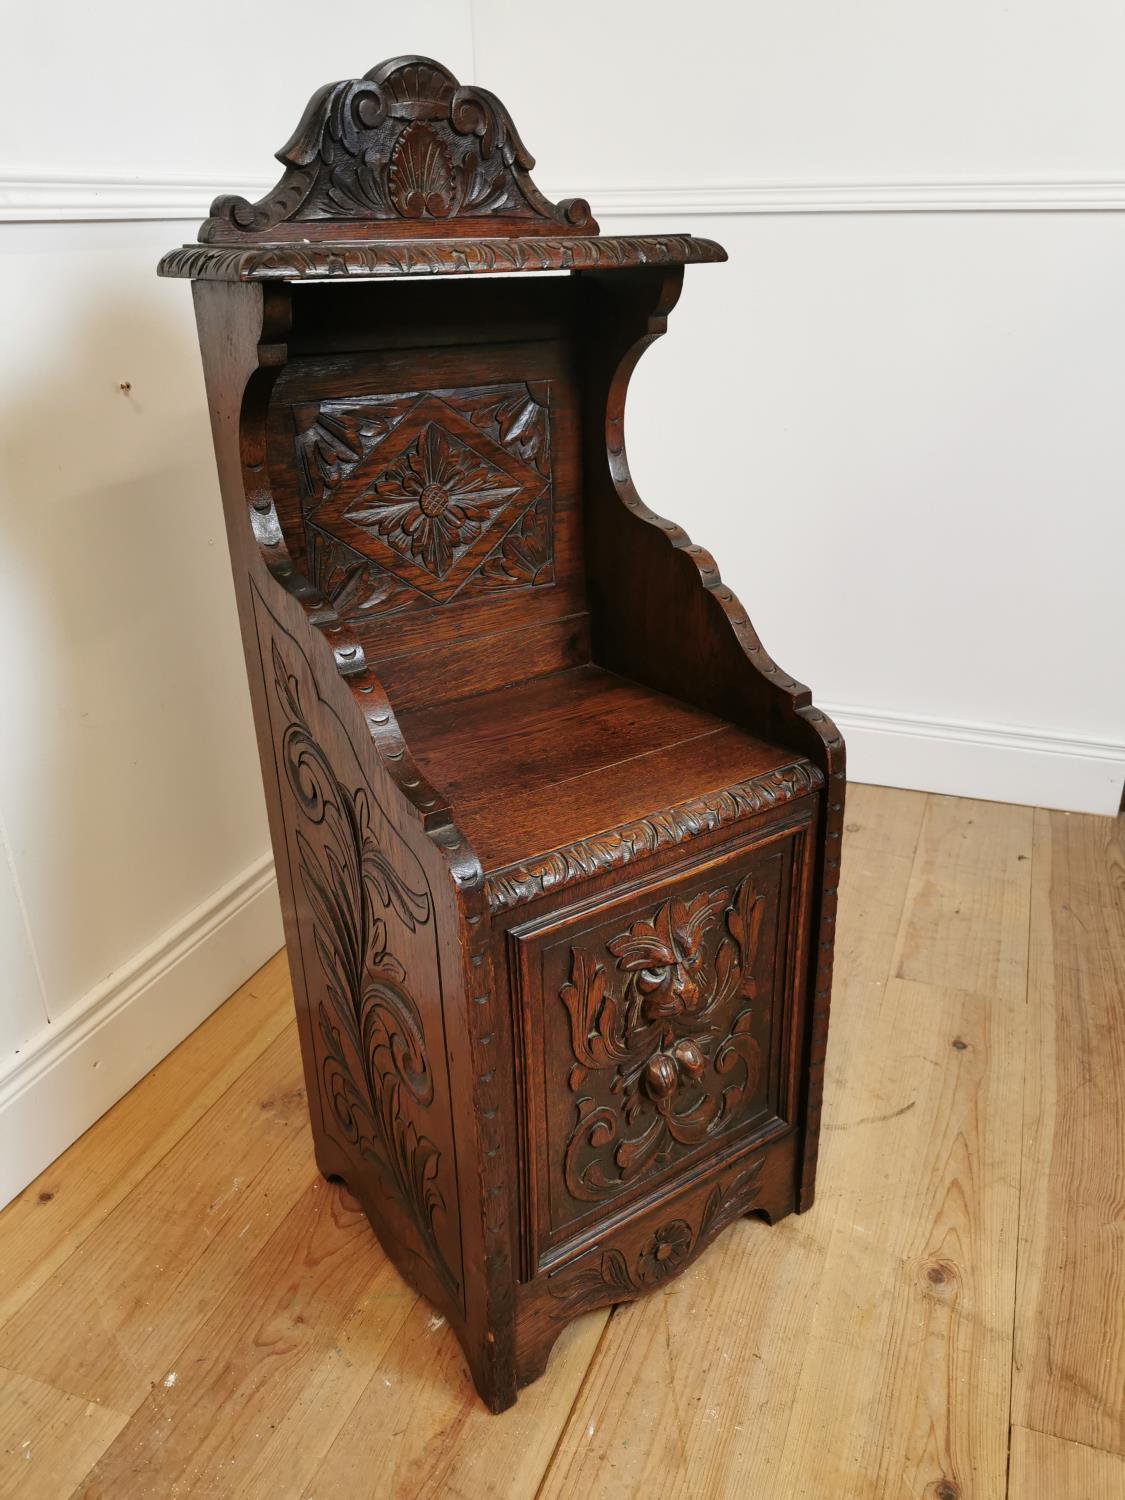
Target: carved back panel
[433,513]
[412,498]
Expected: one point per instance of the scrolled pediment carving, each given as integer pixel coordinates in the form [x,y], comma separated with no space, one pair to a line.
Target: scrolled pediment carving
[406,150]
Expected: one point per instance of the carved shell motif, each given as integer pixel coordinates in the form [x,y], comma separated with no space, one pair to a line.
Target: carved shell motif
[421,175]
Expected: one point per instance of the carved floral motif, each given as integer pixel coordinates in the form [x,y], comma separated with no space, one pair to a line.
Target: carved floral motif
[374,1062]
[613,1276]
[672,1029]
[412,499]
[436,499]
[665,1251]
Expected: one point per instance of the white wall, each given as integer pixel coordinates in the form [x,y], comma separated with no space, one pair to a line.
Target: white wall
[136,888]
[906,382]
[908,377]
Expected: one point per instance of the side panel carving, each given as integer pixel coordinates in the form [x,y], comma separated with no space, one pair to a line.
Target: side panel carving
[410,500]
[369,957]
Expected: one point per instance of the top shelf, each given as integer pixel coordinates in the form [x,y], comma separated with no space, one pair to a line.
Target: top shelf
[407,172]
[333,260]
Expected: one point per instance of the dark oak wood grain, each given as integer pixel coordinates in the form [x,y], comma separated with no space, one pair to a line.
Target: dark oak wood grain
[557,841]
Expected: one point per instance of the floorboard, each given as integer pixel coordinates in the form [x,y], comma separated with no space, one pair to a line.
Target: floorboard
[1051,1468]
[106,1324]
[1070,1315]
[56,1212]
[947,1321]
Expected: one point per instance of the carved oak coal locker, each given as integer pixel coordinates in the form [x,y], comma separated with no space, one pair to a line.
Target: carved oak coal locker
[557,842]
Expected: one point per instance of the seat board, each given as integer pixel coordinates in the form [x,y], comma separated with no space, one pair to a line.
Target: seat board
[539,765]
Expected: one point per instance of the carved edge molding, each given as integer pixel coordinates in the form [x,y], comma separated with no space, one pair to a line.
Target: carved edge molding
[517,884]
[614,1276]
[437,257]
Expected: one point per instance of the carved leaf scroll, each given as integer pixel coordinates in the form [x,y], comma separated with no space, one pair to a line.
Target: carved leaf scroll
[374,1060]
[404,147]
[670,1027]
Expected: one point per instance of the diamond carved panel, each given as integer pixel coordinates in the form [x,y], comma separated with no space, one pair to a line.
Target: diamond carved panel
[410,499]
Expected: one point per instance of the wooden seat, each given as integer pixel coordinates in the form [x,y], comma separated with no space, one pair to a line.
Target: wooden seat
[557,842]
[550,763]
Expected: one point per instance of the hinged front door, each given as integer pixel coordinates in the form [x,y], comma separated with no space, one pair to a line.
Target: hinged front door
[658,1033]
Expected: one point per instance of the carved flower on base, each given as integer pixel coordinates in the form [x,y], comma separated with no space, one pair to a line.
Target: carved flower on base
[434,501]
[663,1251]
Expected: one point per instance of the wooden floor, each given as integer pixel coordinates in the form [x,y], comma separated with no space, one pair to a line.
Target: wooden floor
[185,1309]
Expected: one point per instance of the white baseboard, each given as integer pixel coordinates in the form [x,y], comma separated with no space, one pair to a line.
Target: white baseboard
[999,764]
[74,1069]
[31,197]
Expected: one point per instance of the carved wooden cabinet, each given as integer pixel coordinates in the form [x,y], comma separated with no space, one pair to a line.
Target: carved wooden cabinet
[557,842]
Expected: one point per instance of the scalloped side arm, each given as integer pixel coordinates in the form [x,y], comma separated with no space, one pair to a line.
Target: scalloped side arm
[668,619]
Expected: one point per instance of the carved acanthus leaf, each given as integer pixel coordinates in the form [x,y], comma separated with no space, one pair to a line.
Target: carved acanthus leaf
[404,146]
[673,1026]
[434,257]
[374,1063]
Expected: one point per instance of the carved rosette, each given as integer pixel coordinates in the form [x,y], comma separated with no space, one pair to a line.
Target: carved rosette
[376,1073]
[411,500]
[617,1275]
[666,1033]
[404,147]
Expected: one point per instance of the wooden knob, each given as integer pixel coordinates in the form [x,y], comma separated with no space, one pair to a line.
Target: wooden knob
[689,1058]
[661,1076]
